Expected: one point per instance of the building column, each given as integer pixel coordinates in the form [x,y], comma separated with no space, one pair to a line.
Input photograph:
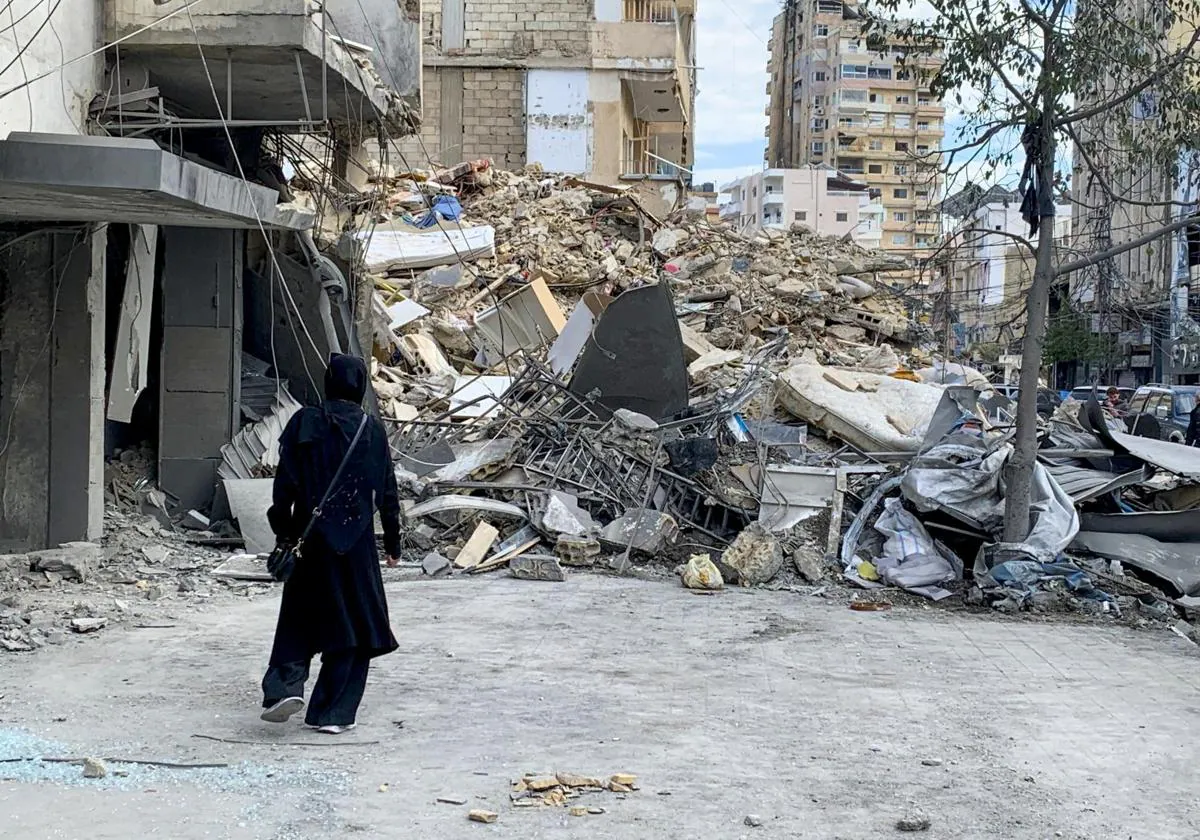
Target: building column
[51,387]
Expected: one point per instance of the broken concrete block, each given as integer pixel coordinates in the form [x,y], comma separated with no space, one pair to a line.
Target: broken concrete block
[536,567]
[641,529]
[435,565]
[845,381]
[94,768]
[88,625]
[667,240]
[633,421]
[700,573]
[810,565]
[13,564]
[755,555]
[713,359]
[563,515]
[577,551]
[481,816]
[425,357]
[695,344]
[73,560]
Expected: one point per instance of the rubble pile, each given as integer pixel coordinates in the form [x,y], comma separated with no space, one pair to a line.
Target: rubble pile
[140,574]
[571,381]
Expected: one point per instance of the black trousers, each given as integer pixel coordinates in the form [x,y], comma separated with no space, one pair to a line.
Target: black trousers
[337,693]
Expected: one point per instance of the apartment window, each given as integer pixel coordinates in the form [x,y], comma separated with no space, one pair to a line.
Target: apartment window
[875,169]
[899,216]
[899,238]
[819,100]
[852,166]
[924,242]
[902,121]
[854,71]
[900,192]
[843,217]
[820,30]
[879,73]
[754,192]
[845,142]
[819,76]
[928,125]
[854,46]
[921,147]
[854,96]
[801,215]
[922,193]
[875,144]
[924,100]
[904,99]
[819,123]
[925,216]
[852,122]
[877,120]
[901,146]
[903,75]
[900,169]
[832,7]
[818,147]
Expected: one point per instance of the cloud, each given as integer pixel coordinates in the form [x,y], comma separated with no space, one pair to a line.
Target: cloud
[731,45]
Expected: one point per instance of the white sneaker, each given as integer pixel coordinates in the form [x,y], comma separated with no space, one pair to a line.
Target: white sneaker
[282,711]
[334,729]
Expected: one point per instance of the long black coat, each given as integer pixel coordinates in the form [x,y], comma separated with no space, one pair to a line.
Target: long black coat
[334,600]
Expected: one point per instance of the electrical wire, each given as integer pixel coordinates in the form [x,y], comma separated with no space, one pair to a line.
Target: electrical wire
[185,8]
[253,205]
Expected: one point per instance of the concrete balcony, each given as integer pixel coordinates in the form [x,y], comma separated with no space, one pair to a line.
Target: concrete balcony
[271,61]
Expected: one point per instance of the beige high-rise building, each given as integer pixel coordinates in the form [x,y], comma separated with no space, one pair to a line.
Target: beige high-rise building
[865,109]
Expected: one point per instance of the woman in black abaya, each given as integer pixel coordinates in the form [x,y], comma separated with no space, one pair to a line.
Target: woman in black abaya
[333,603]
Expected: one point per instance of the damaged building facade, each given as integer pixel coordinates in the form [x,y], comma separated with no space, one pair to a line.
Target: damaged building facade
[599,88]
[146,215]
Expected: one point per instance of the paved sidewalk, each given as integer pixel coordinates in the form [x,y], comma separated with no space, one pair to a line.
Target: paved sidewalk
[816,718]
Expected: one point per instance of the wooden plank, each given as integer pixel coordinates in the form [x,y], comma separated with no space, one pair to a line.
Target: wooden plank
[477,546]
[502,559]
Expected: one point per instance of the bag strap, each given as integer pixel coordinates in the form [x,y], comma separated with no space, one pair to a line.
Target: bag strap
[316,514]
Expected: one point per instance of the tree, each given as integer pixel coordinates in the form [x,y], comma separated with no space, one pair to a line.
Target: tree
[1110,80]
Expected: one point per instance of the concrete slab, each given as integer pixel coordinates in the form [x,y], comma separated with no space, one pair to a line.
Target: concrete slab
[66,177]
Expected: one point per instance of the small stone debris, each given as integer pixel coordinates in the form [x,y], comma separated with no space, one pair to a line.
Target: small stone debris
[94,768]
[435,565]
[451,800]
[753,820]
[88,625]
[536,567]
[383,788]
[932,762]
[481,816]
[913,823]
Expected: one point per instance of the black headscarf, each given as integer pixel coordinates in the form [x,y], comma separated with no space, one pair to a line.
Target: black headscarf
[346,378]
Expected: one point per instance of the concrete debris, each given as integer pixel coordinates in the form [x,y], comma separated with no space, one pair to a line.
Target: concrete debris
[94,768]
[88,625]
[435,565]
[536,567]
[577,551]
[753,820]
[913,823]
[481,816]
[641,529]
[755,556]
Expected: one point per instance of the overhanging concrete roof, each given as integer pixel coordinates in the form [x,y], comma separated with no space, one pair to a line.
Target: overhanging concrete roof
[75,178]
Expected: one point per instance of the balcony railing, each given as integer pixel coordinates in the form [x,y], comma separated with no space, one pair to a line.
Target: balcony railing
[650,11]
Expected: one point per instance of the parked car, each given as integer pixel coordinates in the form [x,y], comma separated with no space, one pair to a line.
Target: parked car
[1084,392]
[1047,400]
[1170,405]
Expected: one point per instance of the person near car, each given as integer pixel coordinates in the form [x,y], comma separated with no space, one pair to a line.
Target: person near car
[1193,429]
[1113,404]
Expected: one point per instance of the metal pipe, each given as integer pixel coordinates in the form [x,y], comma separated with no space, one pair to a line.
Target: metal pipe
[324,62]
[303,87]
[229,86]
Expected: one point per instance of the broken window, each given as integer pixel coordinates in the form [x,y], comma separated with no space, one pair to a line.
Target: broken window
[901,146]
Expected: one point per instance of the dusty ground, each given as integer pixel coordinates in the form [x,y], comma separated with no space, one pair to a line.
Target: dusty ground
[816,718]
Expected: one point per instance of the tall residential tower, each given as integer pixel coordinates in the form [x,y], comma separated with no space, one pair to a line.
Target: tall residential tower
[865,109]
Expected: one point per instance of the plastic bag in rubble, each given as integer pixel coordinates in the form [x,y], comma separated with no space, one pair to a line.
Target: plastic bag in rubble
[911,559]
[701,573]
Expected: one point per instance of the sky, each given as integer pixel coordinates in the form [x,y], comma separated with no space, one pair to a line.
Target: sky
[732,97]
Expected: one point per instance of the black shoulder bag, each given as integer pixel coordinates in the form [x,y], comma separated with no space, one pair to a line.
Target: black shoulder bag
[282,560]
